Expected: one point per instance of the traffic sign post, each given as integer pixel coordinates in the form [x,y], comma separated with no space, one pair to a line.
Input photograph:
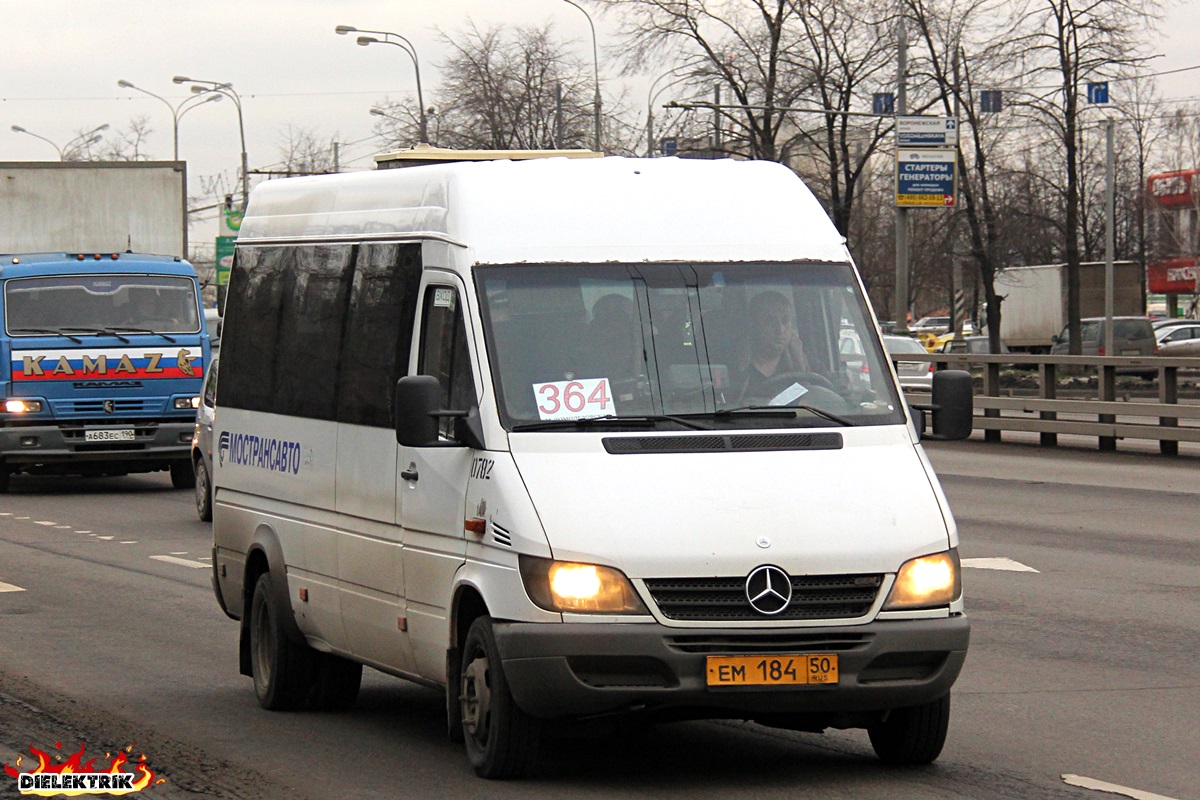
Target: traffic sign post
[926,132]
[925,178]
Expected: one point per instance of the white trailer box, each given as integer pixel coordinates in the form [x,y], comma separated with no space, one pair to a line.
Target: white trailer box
[93,207]
[1035,300]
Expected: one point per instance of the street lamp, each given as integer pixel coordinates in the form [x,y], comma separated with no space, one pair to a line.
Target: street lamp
[177,111]
[596,65]
[405,45]
[651,96]
[80,141]
[227,90]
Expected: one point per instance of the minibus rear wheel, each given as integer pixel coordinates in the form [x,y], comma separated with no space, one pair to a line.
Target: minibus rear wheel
[336,681]
[501,739]
[282,669]
[912,735]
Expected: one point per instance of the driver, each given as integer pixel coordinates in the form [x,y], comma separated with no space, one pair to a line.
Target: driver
[774,349]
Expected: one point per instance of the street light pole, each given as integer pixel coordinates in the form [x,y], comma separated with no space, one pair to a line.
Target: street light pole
[82,140]
[177,111]
[408,47]
[596,65]
[227,90]
[651,96]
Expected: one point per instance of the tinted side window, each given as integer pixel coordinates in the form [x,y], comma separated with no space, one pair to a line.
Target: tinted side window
[379,323]
[1132,329]
[311,326]
[251,329]
[444,352]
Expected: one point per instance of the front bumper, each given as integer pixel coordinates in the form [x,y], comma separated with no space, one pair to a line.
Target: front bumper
[58,444]
[576,670]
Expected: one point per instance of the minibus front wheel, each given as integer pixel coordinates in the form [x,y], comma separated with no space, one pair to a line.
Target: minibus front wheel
[912,735]
[501,739]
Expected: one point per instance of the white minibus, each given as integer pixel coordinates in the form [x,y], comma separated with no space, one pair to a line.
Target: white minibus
[575,439]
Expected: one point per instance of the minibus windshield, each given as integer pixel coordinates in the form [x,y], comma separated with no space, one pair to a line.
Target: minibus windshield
[96,304]
[727,345]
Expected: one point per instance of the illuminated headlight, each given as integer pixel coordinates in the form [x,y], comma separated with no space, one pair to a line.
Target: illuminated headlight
[14,406]
[187,402]
[578,588]
[927,581]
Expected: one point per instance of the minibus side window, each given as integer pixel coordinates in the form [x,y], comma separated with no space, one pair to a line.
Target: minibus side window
[444,353]
[379,326]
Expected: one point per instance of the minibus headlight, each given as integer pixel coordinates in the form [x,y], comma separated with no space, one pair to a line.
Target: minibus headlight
[566,586]
[927,581]
[15,406]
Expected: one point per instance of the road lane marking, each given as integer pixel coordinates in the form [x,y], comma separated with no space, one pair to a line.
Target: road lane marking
[180,553]
[131,541]
[87,532]
[62,527]
[1005,564]
[105,538]
[8,587]
[44,522]
[1112,788]
[183,562]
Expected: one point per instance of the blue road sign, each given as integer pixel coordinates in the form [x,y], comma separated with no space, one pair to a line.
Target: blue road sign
[1097,93]
[990,102]
[668,146]
[925,178]
[883,103]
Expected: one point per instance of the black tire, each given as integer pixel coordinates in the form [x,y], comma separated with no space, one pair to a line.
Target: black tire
[282,670]
[501,740]
[454,724]
[203,487]
[912,735]
[335,682]
[4,475]
[182,476]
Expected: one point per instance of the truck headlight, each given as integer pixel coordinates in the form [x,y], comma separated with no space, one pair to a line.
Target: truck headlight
[187,402]
[566,586]
[15,406]
[934,580]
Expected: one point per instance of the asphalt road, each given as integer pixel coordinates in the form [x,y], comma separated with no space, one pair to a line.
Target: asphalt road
[1087,667]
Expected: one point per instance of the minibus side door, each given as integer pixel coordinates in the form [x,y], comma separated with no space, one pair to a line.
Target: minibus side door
[432,481]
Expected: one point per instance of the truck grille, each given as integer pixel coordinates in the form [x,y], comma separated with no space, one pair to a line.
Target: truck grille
[724,599]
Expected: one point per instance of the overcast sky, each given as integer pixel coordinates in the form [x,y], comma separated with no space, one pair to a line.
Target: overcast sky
[60,61]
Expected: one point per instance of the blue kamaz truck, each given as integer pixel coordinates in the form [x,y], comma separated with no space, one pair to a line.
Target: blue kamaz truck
[102,357]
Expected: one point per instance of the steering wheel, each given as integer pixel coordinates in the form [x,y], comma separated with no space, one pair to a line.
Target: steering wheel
[777,383]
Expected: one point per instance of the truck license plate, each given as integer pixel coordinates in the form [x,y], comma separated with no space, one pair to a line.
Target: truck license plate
[775,670]
[109,435]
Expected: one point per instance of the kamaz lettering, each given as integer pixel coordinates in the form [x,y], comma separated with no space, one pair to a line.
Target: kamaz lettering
[41,365]
[260,452]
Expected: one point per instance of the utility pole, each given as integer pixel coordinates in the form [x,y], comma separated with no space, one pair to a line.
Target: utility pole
[901,299]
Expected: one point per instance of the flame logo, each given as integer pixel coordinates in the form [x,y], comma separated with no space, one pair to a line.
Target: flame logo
[184,360]
[75,764]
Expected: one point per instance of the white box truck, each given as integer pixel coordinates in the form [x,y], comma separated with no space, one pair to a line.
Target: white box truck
[1034,309]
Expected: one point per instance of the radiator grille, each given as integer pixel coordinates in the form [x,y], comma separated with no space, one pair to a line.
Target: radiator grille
[724,599]
[623,445]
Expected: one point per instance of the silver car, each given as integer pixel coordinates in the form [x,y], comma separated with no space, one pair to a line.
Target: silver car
[913,374]
[202,444]
[1179,340]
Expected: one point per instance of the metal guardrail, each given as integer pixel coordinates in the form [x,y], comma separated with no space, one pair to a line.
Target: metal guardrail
[1110,414]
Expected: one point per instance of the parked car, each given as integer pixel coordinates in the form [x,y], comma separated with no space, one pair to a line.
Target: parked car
[212,323]
[1132,336]
[930,325]
[974,345]
[1170,322]
[1179,340]
[202,444]
[913,374]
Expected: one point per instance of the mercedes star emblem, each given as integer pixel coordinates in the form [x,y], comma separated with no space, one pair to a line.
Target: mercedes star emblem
[769,589]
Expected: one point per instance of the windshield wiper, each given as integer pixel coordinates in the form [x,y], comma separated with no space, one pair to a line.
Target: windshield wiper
[786,411]
[96,331]
[554,424]
[51,331]
[126,329]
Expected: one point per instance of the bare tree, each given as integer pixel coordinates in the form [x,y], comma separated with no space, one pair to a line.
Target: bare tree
[302,153]
[1080,41]
[122,145]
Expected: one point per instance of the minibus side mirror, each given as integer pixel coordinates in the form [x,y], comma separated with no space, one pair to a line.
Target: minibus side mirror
[952,406]
[418,398]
